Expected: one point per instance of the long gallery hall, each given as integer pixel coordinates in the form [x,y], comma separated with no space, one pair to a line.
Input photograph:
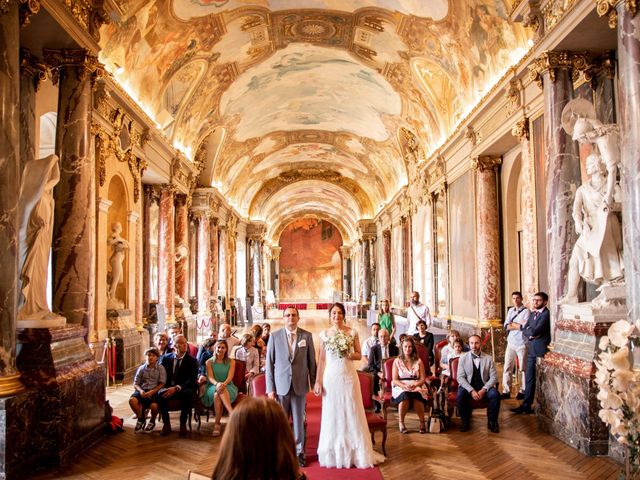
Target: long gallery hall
[321,239]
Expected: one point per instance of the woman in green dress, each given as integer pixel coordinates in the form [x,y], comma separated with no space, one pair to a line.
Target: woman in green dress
[220,391]
[385,319]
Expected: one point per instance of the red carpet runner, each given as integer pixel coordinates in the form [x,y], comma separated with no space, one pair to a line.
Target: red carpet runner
[313,470]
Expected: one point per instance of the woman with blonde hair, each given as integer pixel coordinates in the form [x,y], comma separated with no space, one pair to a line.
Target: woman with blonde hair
[258,444]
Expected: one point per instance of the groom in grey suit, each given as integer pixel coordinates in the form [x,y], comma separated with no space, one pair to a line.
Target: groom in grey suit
[290,369]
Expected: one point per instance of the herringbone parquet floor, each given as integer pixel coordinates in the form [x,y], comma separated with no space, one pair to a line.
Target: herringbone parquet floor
[519,451]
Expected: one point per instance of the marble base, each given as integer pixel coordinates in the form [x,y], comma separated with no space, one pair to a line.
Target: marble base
[120,319]
[566,389]
[63,411]
[51,321]
[129,353]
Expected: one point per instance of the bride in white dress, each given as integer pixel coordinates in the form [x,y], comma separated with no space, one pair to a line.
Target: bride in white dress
[344,435]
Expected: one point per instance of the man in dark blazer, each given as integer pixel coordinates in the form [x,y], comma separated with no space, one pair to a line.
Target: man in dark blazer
[477,378]
[182,370]
[378,354]
[537,336]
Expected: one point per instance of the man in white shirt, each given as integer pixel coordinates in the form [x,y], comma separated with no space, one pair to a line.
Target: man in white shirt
[224,333]
[518,315]
[417,311]
[370,342]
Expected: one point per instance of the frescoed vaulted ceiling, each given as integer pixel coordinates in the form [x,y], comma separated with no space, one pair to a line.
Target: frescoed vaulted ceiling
[300,107]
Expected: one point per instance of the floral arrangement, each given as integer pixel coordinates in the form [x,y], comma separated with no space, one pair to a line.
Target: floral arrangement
[619,393]
[340,343]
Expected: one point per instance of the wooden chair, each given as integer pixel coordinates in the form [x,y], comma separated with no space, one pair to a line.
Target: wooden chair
[238,380]
[374,421]
[438,356]
[452,390]
[384,398]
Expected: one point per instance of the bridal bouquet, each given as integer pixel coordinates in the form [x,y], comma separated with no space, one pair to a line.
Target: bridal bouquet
[619,393]
[340,343]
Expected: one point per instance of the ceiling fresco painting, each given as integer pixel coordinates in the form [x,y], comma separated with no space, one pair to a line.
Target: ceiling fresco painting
[305,87]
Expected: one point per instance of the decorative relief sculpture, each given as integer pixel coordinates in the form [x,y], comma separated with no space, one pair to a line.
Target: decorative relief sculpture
[118,246]
[36,209]
[597,254]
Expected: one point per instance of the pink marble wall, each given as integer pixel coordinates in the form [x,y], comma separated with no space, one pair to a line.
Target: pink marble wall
[214,257]
[166,251]
[488,245]
[182,242]
[386,264]
[529,251]
[203,261]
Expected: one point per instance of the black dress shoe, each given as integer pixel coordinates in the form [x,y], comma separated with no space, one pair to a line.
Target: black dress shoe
[522,410]
[465,427]
[301,460]
[493,426]
[520,396]
[505,396]
[166,430]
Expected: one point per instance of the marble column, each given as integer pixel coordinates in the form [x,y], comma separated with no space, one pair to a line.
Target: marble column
[346,275]
[231,260]
[529,273]
[9,192]
[386,265]
[366,271]
[74,224]
[629,99]
[214,256]
[131,259]
[203,261]
[275,255]
[151,197]
[166,251]
[256,266]
[182,247]
[562,172]
[100,331]
[32,73]
[488,239]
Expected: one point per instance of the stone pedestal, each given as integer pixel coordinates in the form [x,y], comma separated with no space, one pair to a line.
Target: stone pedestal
[120,319]
[63,411]
[129,348]
[566,389]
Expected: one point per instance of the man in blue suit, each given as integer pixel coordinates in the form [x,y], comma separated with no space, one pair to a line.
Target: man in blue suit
[537,335]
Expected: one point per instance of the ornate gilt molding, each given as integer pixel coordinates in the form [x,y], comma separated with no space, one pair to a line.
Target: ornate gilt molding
[137,166]
[102,146]
[471,135]
[27,9]
[608,8]
[521,129]
[514,95]
[483,163]
[550,61]
[86,63]
[30,66]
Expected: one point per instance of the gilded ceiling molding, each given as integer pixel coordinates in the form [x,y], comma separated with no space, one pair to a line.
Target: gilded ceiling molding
[521,129]
[554,11]
[31,67]
[102,144]
[484,162]
[550,61]
[27,9]
[80,58]
[137,166]
[608,8]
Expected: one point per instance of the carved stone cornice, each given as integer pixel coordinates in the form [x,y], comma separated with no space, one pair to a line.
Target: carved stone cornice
[80,58]
[514,95]
[608,8]
[471,135]
[31,67]
[521,129]
[27,9]
[550,61]
[482,162]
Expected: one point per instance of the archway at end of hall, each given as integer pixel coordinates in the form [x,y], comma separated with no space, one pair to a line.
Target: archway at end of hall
[310,262]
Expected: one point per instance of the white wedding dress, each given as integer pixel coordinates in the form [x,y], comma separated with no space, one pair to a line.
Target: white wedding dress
[344,435]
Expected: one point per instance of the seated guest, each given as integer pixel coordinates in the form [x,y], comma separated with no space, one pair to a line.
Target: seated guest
[149,379]
[224,333]
[369,342]
[448,348]
[259,345]
[182,370]
[408,379]
[379,354]
[161,341]
[248,354]
[205,352]
[477,379]
[266,332]
[457,351]
[220,390]
[425,338]
[258,444]
[172,330]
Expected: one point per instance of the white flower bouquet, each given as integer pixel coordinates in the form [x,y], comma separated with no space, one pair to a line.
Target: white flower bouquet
[619,393]
[340,343]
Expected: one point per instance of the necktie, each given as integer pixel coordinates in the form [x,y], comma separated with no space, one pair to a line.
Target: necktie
[385,355]
[176,366]
[292,343]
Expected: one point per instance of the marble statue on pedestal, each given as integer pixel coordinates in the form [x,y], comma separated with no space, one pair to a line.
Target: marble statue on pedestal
[36,210]
[597,255]
[118,246]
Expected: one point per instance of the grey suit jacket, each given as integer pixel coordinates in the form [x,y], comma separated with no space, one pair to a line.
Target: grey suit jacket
[283,373]
[487,370]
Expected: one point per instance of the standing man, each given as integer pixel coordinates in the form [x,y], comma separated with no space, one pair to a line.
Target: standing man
[477,377]
[290,369]
[516,317]
[537,335]
[417,311]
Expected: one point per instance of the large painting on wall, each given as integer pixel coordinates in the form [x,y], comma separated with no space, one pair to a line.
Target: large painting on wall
[310,264]
[462,255]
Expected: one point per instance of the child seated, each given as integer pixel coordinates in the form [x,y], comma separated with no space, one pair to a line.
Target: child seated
[458,347]
[150,377]
[248,354]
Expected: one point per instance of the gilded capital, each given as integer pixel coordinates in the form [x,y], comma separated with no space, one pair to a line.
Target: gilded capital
[31,67]
[608,8]
[27,9]
[482,163]
[550,61]
[521,129]
[79,58]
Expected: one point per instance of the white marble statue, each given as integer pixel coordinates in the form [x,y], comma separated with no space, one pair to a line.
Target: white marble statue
[36,210]
[118,246]
[597,255]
